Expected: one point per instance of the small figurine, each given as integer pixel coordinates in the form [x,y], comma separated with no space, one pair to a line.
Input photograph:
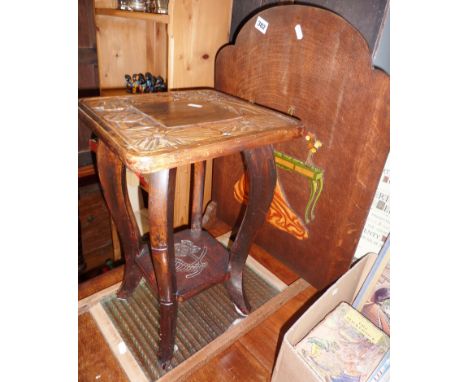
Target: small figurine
[128,83]
[149,82]
[141,83]
[135,84]
[159,85]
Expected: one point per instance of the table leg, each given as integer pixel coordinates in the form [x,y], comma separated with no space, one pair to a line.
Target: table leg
[161,212]
[261,171]
[112,177]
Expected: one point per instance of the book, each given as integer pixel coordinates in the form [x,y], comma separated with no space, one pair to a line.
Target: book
[344,347]
[373,299]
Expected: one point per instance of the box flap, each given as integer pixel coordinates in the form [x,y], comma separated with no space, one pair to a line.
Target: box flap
[345,289]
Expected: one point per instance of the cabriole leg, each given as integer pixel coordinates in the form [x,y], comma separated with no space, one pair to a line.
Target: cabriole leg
[114,186]
[261,171]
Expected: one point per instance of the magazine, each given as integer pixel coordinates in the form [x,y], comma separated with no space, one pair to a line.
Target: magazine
[344,347]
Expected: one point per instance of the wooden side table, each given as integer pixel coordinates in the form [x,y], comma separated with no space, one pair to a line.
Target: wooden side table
[152,134]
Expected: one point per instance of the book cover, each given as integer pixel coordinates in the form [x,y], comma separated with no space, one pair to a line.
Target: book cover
[344,347]
[373,299]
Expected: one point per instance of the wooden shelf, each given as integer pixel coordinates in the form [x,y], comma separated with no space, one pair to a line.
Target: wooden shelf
[217,258]
[215,255]
[163,19]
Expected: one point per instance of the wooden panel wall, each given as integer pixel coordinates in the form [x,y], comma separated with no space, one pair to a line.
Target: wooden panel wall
[327,80]
[127,46]
[365,15]
[197,29]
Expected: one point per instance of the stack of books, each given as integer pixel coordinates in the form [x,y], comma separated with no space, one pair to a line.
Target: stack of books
[352,343]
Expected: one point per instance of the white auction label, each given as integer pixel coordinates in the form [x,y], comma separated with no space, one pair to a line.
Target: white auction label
[298,30]
[261,25]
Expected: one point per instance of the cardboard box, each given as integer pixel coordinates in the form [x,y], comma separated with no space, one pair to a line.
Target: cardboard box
[289,365]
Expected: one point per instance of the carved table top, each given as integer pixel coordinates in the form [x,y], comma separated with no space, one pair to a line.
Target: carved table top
[151,132]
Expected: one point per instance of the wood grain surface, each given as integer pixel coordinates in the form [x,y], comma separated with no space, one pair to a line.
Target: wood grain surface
[264,340]
[164,130]
[234,364]
[323,76]
[126,46]
[196,31]
[95,360]
[251,357]
[365,15]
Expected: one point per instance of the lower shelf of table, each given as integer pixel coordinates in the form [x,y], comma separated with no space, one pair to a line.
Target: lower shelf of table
[201,261]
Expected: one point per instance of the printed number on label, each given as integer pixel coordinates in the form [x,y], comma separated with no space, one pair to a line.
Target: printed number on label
[261,25]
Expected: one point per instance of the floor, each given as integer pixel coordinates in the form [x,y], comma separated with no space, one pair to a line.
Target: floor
[250,358]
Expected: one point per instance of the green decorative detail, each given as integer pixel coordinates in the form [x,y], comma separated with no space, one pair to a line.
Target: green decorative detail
[314,174]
